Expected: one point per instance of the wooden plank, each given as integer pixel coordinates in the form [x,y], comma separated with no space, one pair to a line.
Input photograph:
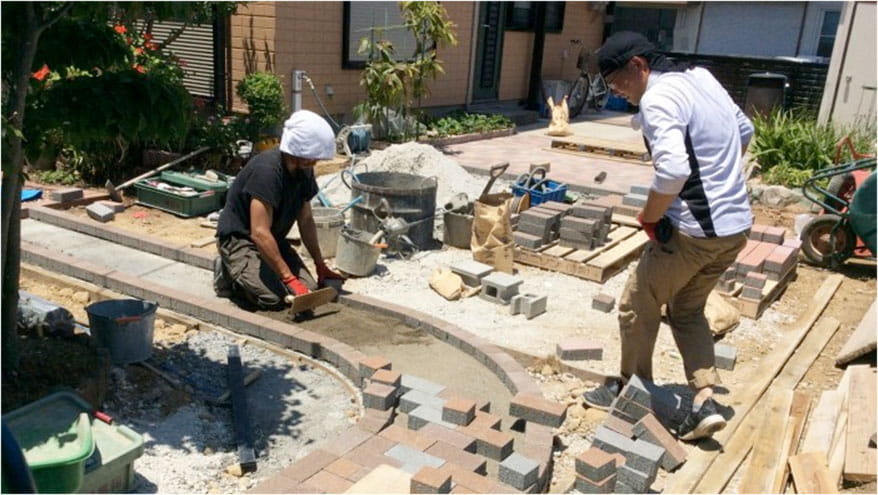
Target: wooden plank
[765,457]
[795,422]
[821,424]
[625,220]
[839,435]
[607,264]
[811,474]
[600,156]
[688,477]
[859,458]
[613,239]
[609,144]
[331,166]
[862,341]
[558,251]
[204,241]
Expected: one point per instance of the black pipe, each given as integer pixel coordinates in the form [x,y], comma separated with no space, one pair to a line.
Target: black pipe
[536,67]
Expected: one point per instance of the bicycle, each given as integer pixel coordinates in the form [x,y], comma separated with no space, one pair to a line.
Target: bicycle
[590,88]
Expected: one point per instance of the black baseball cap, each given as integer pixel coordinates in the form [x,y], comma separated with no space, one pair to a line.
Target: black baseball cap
[619,48]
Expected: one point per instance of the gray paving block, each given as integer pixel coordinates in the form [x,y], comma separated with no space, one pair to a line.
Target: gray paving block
[638,200]
[65,195]
[518,471]
[575,235]
[638,481]
[471,271]
[611,441]
[426,414]
[725,356]
[586,225]
[638,189]
[751,293]
[623,488]
[414,382]
[602,233]
[413,399]
[100,212]
[526,240]
[667,406]
[603,302]
[413,460]
[607,485]
[589,211]
[379,396]
[645,457]
[543,231]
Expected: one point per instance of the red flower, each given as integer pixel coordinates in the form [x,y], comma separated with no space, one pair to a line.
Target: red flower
[152,46]
[42,73]
[138,51]
[120,29]
[147,36]
[139,68]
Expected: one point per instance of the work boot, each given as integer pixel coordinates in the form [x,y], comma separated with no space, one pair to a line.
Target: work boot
[702,422]
[603,396]
[222,283]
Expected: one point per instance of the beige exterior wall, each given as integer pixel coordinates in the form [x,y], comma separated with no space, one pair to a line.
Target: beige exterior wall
[309,36]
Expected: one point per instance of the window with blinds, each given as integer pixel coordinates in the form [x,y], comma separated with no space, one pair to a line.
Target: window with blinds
[382,20]
[194,48]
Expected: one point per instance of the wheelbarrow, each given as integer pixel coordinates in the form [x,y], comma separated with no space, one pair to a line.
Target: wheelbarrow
[847,224]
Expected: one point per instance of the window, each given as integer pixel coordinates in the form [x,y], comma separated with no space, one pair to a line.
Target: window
[827,33]
[365,19]
[521,16]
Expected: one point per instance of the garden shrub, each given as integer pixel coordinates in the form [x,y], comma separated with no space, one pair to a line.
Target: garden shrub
[461,122]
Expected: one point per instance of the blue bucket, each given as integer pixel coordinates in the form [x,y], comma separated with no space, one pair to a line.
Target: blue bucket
[125,327]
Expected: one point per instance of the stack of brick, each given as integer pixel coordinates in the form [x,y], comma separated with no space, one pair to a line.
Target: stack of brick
[537,226]
[768,255]
[635,200]
[587,226]
[596,471]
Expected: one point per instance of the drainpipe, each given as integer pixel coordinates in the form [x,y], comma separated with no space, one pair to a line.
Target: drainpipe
[472,56]
[536,68]
[298,76]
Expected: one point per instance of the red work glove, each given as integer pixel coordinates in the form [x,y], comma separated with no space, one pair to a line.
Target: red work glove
[295,286]
[648,227]
[324,274]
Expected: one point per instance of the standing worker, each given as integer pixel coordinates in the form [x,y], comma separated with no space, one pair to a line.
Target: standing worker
[697,216]
[268,196]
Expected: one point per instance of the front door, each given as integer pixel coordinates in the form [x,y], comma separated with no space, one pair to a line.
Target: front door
[489,51]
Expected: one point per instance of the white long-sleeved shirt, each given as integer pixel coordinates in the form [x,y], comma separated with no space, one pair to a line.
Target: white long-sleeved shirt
[696,135]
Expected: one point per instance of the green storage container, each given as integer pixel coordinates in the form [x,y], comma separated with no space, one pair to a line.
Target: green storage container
[55,435]
[111,468]
[204,202]
[193,180]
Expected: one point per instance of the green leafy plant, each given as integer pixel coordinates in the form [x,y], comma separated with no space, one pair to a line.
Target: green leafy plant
[791,146]
[264,95]
[461,122]
[392,86]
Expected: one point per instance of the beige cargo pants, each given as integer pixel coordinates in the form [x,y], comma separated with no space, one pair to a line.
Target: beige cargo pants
[680,273]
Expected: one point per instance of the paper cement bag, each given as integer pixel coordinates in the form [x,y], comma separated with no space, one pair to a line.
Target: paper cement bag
[491,242]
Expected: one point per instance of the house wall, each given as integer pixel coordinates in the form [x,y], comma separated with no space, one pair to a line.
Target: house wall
[849,95]
[309,36]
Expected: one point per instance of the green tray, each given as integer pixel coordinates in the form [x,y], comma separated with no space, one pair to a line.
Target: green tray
[111,468]
[190,179]
[55,435]
[206,201]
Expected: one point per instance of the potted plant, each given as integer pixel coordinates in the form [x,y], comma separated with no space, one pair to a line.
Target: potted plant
[264,95]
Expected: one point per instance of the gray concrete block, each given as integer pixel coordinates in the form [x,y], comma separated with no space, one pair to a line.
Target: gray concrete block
[602,233]
[413,460]
[526,240]
[585,225]
[414,382]
[611,441]
[413,399]
[637,480]
[607,485]
[544,231]
[531,305]
[589,211]
[500,287]
[667,406]
[637,200]
[638,189]
[426,414]
[471,271]
[65,195]
[595,464]
[575,235]
[752,293]
[623,487]
[117,207]
[518,471]
[645,457]
[725,356]
[630,408]
[100,212]
[603,302]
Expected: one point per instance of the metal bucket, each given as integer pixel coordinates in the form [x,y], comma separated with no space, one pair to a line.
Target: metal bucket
[457,228]
[329,222]
[355,255]
[125,327]
[411,197]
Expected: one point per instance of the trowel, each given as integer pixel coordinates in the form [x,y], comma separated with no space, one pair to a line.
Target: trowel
[310,300]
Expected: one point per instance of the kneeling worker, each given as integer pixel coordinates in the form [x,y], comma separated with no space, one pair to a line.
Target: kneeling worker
[274,190]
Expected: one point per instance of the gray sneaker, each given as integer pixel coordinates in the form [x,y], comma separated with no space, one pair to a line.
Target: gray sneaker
[222,285]
[603,396]
[702,423]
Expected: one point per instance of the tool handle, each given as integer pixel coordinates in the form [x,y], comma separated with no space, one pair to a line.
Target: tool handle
[163,167]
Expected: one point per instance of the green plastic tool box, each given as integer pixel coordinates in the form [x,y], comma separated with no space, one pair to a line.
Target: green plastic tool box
[205,201]
[111,468]
[55,435]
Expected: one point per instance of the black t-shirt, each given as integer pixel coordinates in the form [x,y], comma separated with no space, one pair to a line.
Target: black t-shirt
[265,177]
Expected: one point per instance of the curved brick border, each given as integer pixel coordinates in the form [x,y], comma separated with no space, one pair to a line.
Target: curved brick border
[467,138]
[538,439]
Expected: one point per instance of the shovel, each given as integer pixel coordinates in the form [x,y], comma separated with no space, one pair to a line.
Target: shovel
[496,171]
[116,196]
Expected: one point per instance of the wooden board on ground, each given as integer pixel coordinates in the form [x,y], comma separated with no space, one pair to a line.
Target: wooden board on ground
[204,241]
[607,147]
[859,458]
[811,474]
[764,458]
[331,166]
[821,424]
[599,264]
[795,423]
[862,341]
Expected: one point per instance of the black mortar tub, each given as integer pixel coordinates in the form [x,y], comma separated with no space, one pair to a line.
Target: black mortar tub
[411,197]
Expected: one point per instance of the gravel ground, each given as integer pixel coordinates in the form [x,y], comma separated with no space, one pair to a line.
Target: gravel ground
[190,443]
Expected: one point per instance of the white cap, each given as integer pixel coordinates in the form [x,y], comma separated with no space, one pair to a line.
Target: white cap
[308,135]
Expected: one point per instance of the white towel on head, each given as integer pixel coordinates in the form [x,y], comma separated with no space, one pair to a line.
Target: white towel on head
[307,135]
